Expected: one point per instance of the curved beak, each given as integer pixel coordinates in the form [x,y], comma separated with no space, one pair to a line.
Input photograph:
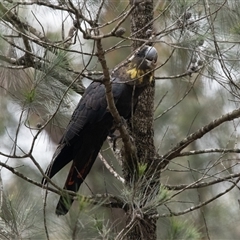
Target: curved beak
[151,56]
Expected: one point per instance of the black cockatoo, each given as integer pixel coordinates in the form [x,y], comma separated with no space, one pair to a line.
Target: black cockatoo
[92,122]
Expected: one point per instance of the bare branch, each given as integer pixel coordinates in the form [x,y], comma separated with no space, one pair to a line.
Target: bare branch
[175,151]
[212,150]
[111,170]
[201,204]
[128,145]
[201,184]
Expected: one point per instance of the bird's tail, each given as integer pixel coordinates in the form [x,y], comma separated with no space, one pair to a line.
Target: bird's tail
[78,172]
[62,156]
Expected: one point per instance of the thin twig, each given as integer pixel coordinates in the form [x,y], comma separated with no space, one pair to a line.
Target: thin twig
[110,169]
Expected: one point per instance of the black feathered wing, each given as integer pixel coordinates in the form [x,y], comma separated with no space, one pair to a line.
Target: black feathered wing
[88,112]
[88,128]
[83,162]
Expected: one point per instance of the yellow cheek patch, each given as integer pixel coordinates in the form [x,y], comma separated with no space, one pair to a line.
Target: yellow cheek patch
[134,73]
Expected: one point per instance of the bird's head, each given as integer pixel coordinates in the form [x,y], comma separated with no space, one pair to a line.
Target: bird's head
[145,58]
[142,63]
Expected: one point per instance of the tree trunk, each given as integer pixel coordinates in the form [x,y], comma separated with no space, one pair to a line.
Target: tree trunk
[143,223]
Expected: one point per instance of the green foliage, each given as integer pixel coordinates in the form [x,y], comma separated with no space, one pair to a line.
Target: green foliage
[164,194]
[179,229]
[235,29]
[184,4]
[156,199]
[102,227]
[30,96]
[19,216]
[141,169]
[44,95]
[82,203]
[182,230]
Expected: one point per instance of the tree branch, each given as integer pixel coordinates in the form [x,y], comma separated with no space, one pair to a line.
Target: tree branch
[110,169]
[200,204]
[129,147]
[201,184]
[175,151]
[106,200]
[212,150]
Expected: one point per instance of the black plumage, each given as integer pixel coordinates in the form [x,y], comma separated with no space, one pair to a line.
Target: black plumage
[92,122]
